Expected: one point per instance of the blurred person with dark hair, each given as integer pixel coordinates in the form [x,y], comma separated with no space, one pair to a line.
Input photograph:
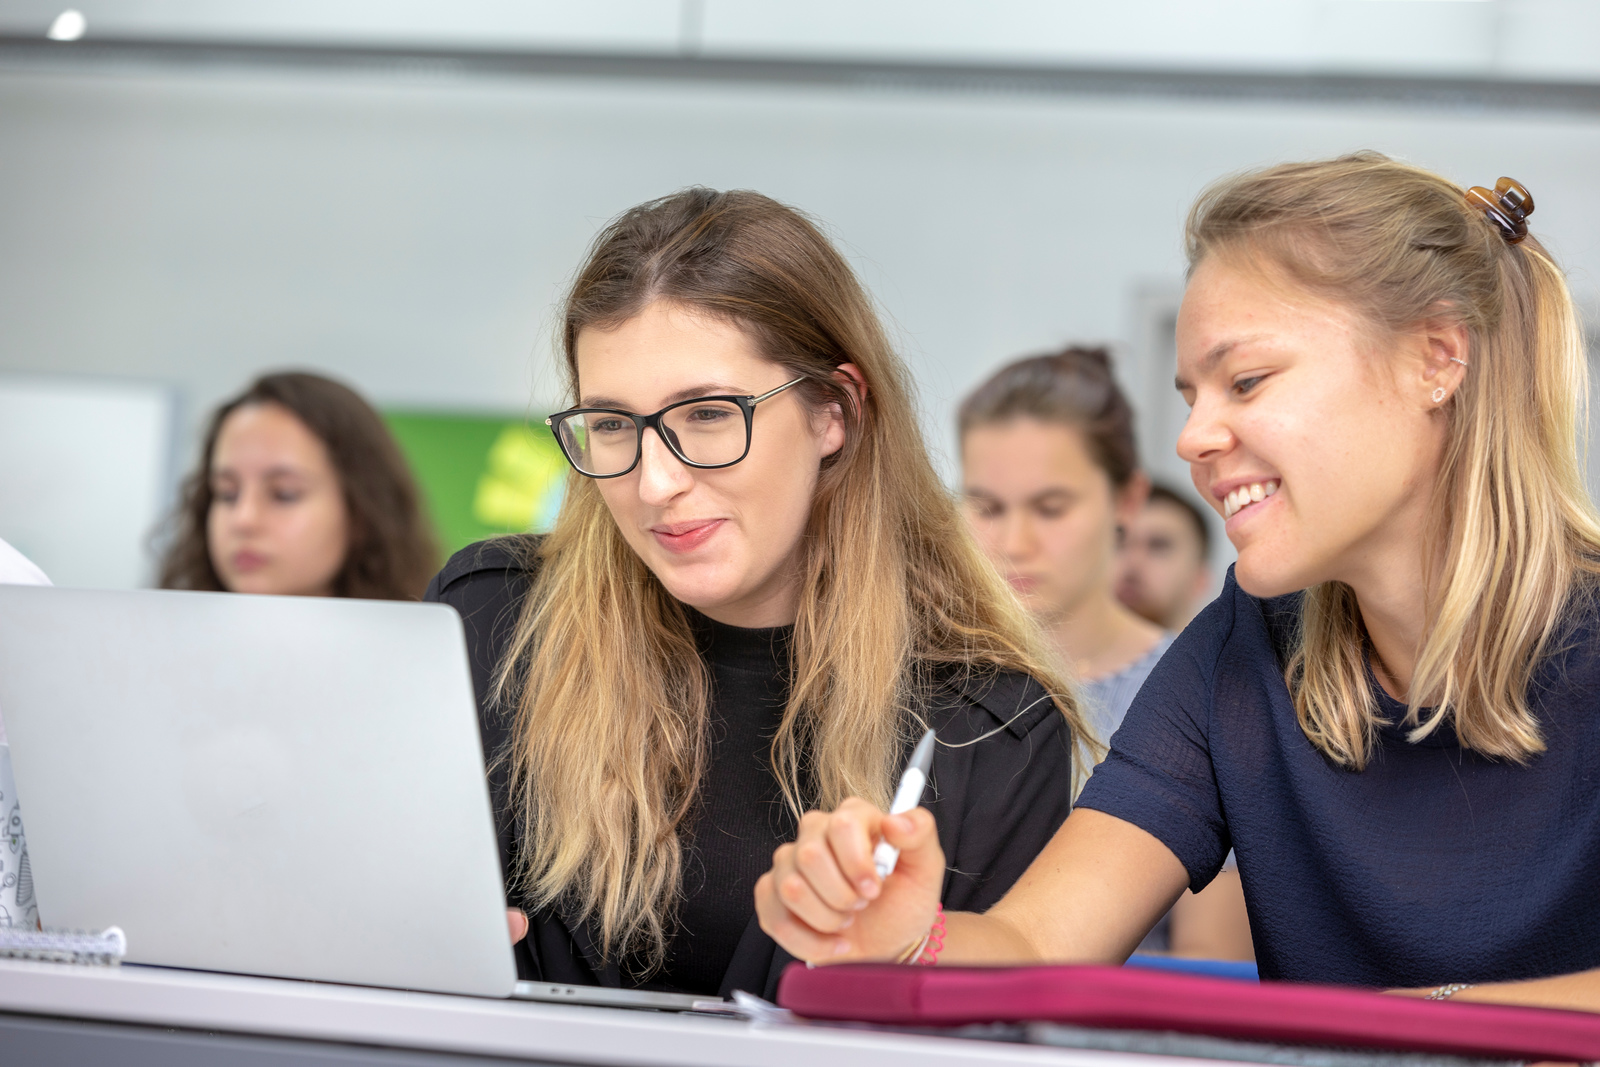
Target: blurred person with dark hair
[301,491]
[1163,571]
[1050,471]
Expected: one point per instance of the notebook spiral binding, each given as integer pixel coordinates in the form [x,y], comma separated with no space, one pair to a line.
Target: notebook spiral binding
[105,948]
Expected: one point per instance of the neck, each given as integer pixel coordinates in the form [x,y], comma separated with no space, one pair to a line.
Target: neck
[1098,636]
[1396,619]
[1392,596]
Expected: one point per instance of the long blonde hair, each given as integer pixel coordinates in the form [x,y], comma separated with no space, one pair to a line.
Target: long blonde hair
[609,739]
[1517,533]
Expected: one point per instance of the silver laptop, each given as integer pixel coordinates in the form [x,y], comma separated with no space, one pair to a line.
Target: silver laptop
[264,785]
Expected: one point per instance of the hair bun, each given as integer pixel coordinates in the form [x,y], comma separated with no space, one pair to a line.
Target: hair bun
[1508,207]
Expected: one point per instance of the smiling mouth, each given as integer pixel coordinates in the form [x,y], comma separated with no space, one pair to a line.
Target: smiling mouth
[685,536]
[1246,495]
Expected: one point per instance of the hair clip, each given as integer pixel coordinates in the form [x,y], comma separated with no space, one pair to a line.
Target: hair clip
[1508,207]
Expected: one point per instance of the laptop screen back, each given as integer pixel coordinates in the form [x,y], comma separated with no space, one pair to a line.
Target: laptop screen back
[266,785]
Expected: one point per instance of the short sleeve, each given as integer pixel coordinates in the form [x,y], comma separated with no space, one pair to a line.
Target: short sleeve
[1159,775]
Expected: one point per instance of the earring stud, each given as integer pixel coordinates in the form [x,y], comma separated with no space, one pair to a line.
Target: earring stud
[1438,394]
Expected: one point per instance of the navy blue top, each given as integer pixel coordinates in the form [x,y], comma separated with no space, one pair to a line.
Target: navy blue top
[1433,865]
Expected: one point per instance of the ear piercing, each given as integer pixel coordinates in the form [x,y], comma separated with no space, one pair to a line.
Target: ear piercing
[1438,394]
[1453,359]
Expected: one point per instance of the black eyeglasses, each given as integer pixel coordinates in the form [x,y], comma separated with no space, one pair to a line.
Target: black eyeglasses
[707,432]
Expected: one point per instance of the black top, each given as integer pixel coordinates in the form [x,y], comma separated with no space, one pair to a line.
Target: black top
[1432,865]
[996,802]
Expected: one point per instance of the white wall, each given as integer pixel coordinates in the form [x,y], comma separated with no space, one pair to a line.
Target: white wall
[411,232]
[86,466]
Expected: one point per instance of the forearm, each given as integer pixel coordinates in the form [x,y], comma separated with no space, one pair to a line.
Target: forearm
[1089,897]
[984,939]
[1574,992]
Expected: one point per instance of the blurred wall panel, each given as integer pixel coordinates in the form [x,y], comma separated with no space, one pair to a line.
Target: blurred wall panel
[1537,39]
[85,471]
[593,25]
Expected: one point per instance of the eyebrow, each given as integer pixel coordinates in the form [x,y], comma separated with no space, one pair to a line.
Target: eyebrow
[271,472]
[704,389]
[1218,353]
[977,492]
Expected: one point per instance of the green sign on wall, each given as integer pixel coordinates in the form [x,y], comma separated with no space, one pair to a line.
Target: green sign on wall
[482,475]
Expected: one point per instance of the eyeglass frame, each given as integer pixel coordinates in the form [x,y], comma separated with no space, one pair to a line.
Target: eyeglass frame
[641,423]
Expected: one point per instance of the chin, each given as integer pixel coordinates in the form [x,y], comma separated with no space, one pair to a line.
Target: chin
[1264,580]
[701,591]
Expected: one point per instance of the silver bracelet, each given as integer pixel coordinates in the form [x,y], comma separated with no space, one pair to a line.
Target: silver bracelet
[1445,992]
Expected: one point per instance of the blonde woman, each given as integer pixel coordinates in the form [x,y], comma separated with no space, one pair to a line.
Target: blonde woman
[756,598]
[1390,710]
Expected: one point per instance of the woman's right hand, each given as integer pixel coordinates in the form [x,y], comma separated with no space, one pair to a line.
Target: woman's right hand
[823,900]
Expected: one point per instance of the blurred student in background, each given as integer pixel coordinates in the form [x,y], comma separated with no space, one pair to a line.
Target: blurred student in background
[1162,569]
[756,597]
[1050,471]
[301,491]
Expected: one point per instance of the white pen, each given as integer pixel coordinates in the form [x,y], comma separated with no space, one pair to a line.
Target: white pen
[908,796]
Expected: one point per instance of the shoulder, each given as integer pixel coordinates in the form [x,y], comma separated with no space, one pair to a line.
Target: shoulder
[966,704]
[508,561]
[1236,620]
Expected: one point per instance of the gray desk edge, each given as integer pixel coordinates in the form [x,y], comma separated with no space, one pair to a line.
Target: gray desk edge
[473,1026]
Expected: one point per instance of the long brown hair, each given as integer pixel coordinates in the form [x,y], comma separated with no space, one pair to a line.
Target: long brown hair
[392,552]
[1400,246]
[609,740]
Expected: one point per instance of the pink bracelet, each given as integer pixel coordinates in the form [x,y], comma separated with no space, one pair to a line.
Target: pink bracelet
[935,942]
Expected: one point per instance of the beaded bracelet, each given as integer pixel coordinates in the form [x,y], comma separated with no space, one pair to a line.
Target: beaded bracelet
[934,943]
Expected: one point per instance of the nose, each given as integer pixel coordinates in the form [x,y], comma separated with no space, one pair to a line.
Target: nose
[245,513]
[1016,534]
[662,475]
[1206,435]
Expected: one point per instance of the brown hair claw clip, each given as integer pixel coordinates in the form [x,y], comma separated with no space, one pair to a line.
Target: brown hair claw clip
[1508,207]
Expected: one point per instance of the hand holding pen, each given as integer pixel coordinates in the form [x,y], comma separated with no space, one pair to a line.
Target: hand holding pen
[825,899]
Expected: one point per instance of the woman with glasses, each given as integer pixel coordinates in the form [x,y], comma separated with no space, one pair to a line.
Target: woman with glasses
[756,598]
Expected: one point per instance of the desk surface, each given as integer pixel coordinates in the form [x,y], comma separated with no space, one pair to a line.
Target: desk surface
[42,994]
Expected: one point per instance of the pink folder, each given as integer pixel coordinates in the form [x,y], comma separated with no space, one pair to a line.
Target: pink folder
[1133,999]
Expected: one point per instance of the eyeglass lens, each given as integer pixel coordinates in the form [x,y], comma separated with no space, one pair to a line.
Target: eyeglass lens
[708,432]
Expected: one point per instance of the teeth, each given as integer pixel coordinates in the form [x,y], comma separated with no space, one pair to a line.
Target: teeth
[1246,495]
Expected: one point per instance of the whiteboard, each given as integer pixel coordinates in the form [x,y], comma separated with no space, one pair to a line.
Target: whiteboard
[85,475]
